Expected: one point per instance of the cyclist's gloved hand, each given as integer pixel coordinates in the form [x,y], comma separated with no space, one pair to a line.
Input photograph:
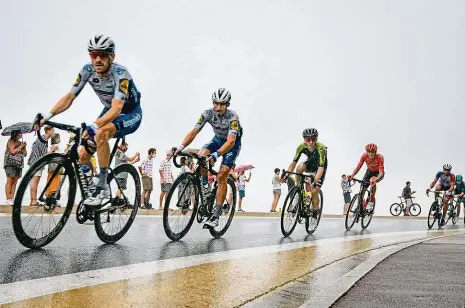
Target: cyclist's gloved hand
[91,129]
[214,156]
[177,150]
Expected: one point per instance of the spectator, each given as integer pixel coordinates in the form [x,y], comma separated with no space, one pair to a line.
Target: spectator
[407,195]
[39,149]
[145,170]
[13,164]
[242,179]
[276,181]
[166,177]
[346,190]
[55,182]
[122,158]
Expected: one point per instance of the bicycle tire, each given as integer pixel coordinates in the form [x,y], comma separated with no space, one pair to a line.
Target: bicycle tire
[218,232]
[366,219]
[289,198]
[309,230]
[395,209]
[353,208]
[432,214]
[190,180]
[19,231]
[101,232]
[448,216]
[413,209]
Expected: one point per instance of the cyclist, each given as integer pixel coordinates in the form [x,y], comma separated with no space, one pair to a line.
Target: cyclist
[317,162]
[226,143]
[374,173]
[121,115]
[446,183]
[460,191]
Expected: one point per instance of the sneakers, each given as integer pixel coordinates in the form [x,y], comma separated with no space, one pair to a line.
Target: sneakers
[370,206]
[98,196]
[212,222]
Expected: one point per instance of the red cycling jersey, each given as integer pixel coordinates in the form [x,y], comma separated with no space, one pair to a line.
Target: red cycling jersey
[374,164]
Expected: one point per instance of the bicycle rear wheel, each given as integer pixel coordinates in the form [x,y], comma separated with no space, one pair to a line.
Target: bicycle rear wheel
[181,206]
[312,223]
[227,213]
[395,209]
[414,209]
[113,220]
[37,225]
[290,211]
[353,212]
[366,219]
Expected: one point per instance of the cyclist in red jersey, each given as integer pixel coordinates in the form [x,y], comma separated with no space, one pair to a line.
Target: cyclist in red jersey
[374,173]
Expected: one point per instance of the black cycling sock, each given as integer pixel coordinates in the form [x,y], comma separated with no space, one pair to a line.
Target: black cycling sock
[102,177]
[217,211]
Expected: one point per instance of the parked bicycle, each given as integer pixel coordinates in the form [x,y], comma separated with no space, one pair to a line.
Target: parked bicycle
[357,207]
[298,207]
[396,208]
[37,226]
[185,202]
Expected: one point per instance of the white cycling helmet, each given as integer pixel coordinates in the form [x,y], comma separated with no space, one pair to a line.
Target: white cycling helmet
[221,96]
[447,167]
[101,42]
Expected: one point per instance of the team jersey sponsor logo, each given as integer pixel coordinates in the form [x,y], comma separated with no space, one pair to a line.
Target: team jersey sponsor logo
[78,80]
[234,125]
[200,119]
[124,86]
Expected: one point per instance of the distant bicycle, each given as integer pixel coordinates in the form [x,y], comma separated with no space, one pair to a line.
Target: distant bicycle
[37,226]
[298,207]
[452,211]
[185,202]
[357,207]
[435,210]
[397,208]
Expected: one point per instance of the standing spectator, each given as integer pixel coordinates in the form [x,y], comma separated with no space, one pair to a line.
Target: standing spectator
[13,163]
[39,149]
[276,181]
[166,177]
[407,194]
[121,158]
[145,170]
[242,179]
[346,190]
[53,186]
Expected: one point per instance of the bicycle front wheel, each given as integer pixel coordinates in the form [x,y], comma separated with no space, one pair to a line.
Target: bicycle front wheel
[312,223]
[395,209]
[290,211]
[113,220]
[366,219]
[353,212]
[39,224]
[228,210]
[181,206]
[432,214]
[414,209]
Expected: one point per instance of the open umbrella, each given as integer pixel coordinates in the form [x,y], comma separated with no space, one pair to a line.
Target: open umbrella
[23,127]
[243,168]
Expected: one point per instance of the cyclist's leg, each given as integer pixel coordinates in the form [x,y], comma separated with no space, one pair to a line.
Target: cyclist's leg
[301,168]
[445,201]
[459,201]
[373,187]
[208,148]
[229,158]
[316,192]
[365,178]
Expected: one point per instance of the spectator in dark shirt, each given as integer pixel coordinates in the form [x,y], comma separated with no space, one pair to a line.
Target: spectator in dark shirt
[407,195]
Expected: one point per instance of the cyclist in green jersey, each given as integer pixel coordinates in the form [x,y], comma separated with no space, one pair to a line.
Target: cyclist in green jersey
[317,162]
[460,191]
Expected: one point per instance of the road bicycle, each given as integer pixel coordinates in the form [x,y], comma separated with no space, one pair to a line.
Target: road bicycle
[186,202]
[357,208]
[37,225]
[435,210]
[396,208]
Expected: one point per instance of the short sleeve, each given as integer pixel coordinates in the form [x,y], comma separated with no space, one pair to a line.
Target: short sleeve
[81,79]
[122,81]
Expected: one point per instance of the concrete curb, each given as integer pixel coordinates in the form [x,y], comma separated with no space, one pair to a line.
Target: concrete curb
[7,209]
[333,292]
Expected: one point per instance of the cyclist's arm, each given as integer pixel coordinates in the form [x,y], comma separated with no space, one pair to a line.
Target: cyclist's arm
[380,167]
[434,182]
[297,155]
[321,163]
[360,164]
[319,174]
[63,104]
[228,145]
[112,113]
[190,137]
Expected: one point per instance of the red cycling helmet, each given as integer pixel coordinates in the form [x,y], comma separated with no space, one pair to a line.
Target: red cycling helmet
[371,147]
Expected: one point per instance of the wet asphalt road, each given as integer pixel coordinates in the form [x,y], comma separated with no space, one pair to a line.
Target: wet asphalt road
[78,248]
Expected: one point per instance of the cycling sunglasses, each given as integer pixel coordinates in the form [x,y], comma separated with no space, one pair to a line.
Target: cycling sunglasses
[309,139]
[102,55]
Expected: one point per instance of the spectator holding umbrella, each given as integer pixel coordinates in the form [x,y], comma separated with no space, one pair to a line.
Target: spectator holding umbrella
[242,179]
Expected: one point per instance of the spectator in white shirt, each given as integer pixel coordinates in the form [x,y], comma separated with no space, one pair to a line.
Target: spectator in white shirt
[145,170]
[166,177]
[276,181]
[242,179]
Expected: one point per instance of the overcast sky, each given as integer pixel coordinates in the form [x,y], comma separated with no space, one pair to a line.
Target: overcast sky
[388,72]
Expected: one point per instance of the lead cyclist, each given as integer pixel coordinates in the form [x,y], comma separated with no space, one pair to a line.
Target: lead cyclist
[121,114]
